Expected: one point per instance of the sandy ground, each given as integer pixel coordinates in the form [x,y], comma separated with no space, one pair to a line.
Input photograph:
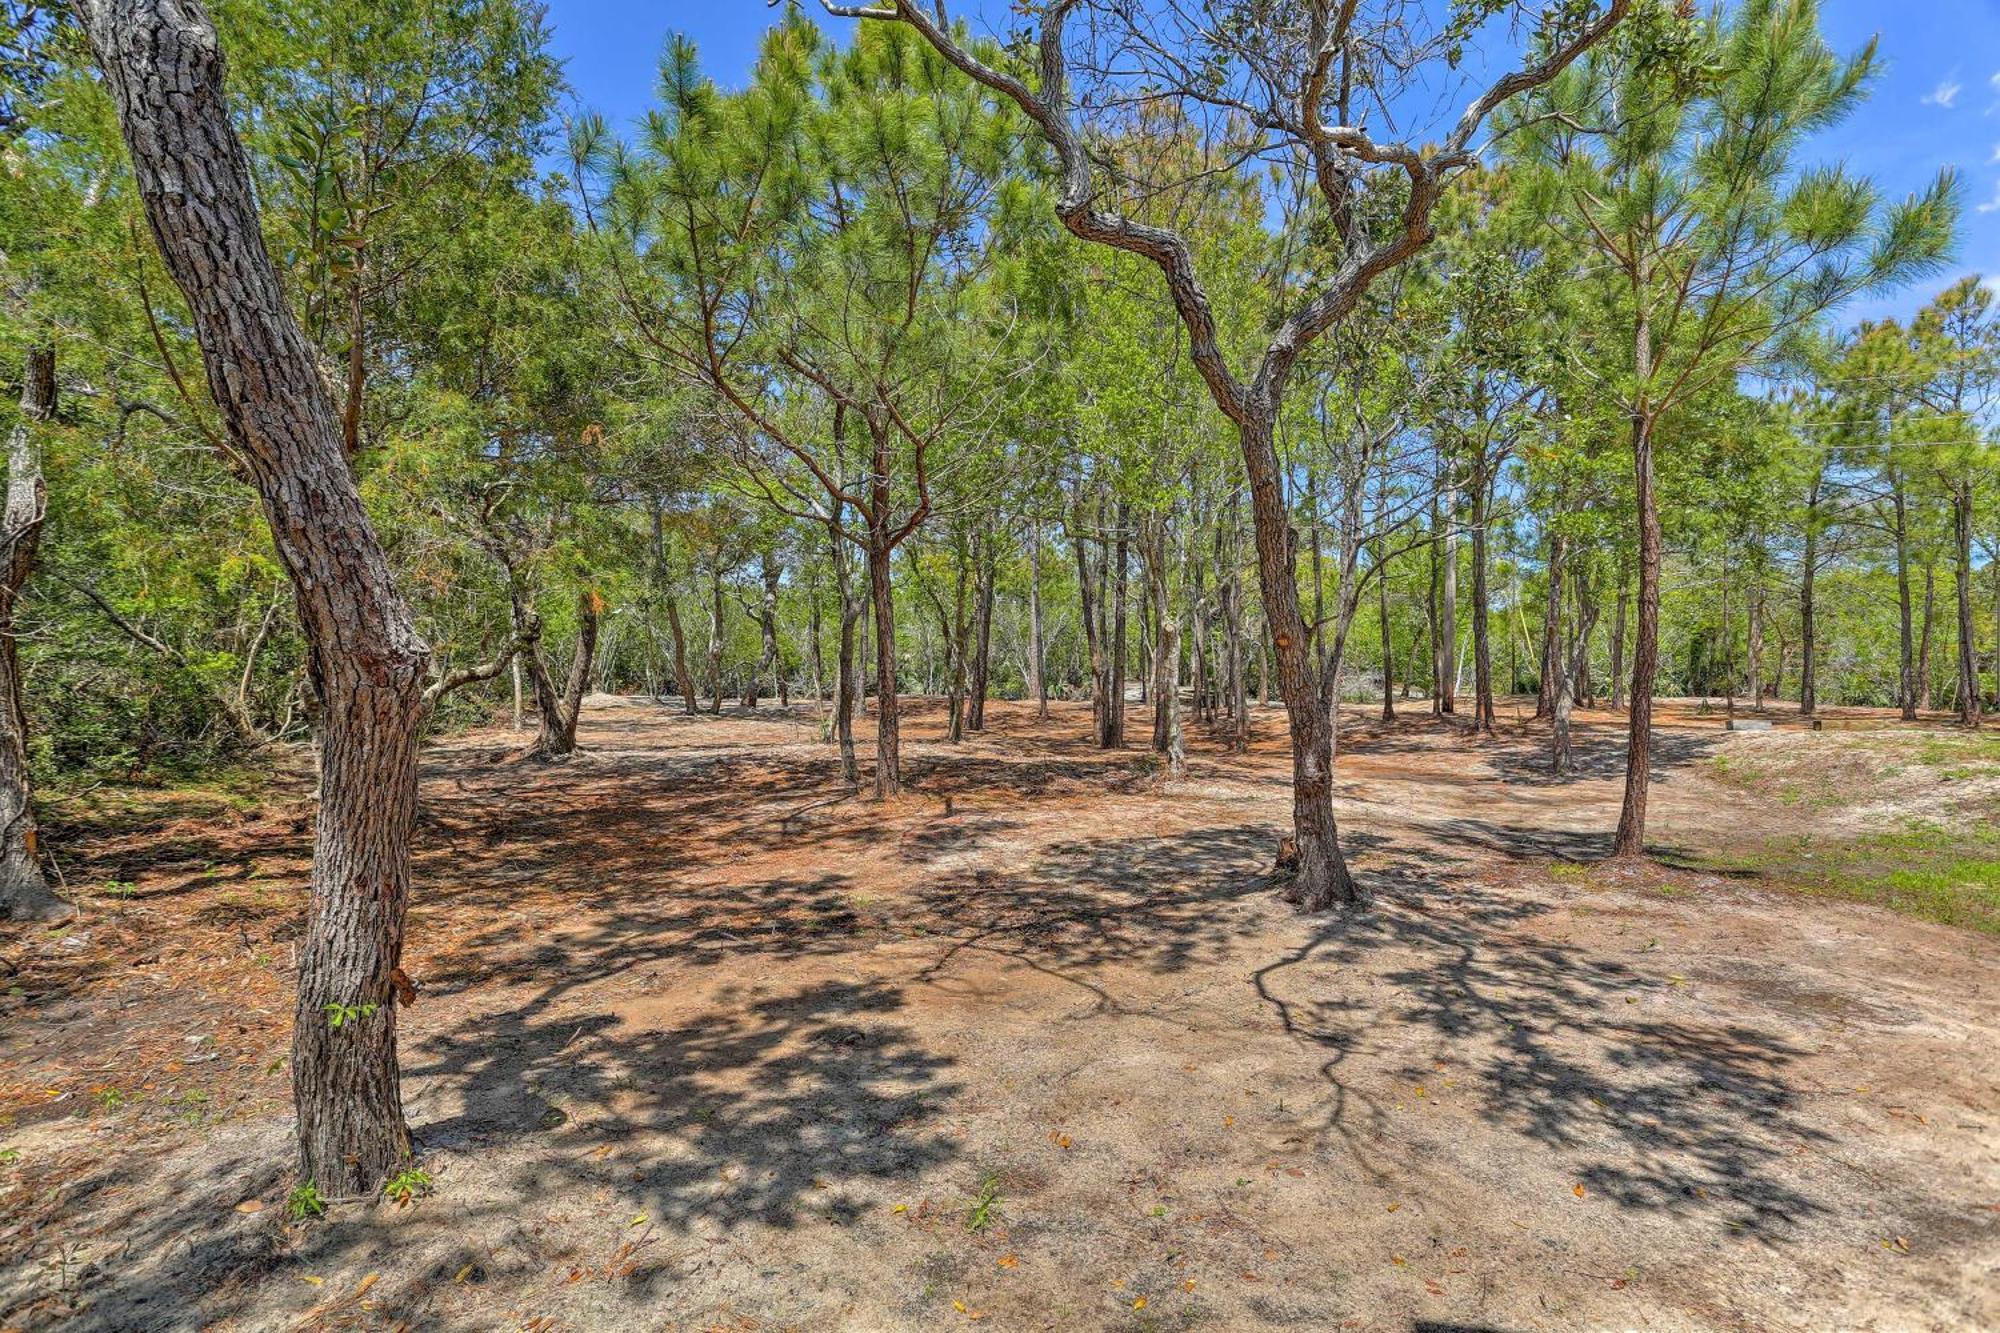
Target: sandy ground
[705,1045]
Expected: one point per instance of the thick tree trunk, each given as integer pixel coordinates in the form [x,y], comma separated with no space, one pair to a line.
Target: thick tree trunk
[24,889]
[1322,880]
[1631,838]
[163,67]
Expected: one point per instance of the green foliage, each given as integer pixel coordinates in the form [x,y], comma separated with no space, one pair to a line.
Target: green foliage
[304,1202]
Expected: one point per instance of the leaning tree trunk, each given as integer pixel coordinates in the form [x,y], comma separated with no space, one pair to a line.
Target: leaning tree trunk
[24,890]
[163,67]
[1631,838]
[683,678]
[1323,880]
[559,712]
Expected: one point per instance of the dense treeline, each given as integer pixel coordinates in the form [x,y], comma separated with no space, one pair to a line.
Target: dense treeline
[916,365]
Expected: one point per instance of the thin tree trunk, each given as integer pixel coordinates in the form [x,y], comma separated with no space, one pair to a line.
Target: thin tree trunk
[986,558]
[1038,684]
[1925,638]
[1968,646]
[1808,607]
[1166,686]
[1483,715]
[1631,837]
[1114,731]
[1448,607]
[888,727]
[24,890]
[163,67]
[1906,650]
[715,639]
[1618,633]
[848,685]
[1388,641]
[1545,695]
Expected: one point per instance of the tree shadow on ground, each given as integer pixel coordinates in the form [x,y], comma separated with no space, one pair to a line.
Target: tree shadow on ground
[1658,1113]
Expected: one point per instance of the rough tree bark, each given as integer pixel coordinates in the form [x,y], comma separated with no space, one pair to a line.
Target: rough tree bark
[163,67]
[24,890]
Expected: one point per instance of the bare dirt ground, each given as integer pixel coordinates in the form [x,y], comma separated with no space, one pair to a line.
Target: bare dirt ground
[704,1044]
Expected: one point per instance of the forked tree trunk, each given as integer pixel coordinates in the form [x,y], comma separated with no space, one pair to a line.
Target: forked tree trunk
[164,69]
[1631,837]
[559,711]
[24,889]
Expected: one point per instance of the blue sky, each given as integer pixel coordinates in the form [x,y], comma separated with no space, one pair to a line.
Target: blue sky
[1936,104]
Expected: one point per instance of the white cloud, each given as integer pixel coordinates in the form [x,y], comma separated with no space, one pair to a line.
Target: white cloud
[1945,94]
[1992,205]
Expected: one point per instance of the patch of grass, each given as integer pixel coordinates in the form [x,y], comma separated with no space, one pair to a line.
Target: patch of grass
[980,1214]
[1944,873]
